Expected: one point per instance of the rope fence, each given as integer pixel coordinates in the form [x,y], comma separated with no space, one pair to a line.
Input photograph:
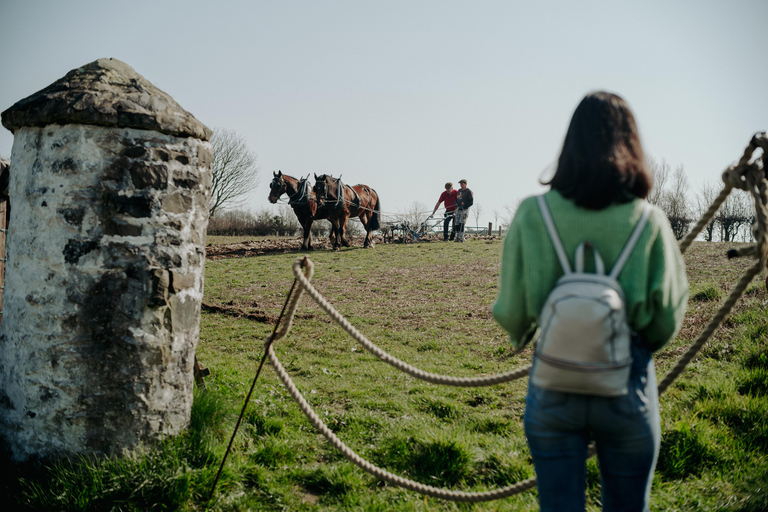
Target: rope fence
[745,175]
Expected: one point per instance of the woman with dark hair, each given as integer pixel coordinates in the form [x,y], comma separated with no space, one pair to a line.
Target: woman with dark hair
[596,194]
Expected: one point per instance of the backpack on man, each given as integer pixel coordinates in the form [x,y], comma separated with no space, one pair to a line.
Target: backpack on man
[585,341]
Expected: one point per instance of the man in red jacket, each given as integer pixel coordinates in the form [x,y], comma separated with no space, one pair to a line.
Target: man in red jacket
[449,197]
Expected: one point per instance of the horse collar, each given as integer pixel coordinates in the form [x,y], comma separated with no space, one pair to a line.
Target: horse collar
[302,192]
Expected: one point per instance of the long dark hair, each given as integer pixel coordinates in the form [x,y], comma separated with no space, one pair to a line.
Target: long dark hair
[602,159]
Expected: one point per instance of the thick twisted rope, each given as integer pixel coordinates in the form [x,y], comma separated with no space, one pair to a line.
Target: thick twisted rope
[281,329]
[303,270]
[376,471]
[713,324]
[751,178]
[391,360]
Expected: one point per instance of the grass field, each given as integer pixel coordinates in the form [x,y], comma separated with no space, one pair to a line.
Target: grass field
[427,304]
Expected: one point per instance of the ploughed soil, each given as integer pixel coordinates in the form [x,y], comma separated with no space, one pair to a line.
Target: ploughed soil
[283,245]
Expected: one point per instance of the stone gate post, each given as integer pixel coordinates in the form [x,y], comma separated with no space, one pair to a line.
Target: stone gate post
[109,190]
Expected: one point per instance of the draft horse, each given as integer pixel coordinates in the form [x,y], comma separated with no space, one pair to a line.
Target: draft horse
[341,202]
[303,201]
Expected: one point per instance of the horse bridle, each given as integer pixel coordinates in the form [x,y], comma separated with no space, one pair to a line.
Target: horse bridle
[321,192]
[279,183]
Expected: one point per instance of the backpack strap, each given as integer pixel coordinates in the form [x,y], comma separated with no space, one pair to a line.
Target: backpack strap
[633,238]
[552,230]
[599,265]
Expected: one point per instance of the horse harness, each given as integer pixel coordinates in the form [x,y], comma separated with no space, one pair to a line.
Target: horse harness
[356,201]
[303,194]
[340,195]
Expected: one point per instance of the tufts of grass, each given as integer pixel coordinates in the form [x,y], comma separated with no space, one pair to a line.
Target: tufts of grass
[358,426]
[744,416]
[210,424]
[166,475]
[500,469]
[684,451]
[261,425]
[428,346]
[439,461]
[754,383]
[495,426]
[440,408]
[594,496]
[756,358]
[705,292]
[141,480]
[331,483]
[273,453]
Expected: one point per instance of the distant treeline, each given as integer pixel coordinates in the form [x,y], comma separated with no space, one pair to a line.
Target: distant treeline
[279,221]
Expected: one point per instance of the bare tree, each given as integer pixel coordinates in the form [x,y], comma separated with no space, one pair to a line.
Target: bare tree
[415,214]
[478,211]
[288,219]
[675,203]
[735,212]
[234,172]
[509,212]
[704,199]
[669,191]
[659,175]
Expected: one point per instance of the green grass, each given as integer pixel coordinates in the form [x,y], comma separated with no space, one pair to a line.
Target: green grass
[427,304]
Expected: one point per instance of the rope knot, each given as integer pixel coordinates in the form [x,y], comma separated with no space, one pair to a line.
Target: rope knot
[733,177]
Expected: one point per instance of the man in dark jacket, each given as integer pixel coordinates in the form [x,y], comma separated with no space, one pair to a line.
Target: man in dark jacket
[463,202]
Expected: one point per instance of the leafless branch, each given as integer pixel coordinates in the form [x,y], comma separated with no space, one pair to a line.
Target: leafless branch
[234,170]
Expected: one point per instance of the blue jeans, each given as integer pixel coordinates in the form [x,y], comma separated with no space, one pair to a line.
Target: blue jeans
[448,221]
[627,432]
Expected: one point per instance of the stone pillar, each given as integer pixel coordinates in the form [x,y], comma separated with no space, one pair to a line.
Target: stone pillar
[109,187]
[5,167]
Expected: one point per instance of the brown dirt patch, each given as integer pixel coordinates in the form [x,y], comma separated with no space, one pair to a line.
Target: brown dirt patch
[283,245]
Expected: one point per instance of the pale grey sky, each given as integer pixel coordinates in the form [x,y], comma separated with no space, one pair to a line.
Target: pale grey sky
[406,95]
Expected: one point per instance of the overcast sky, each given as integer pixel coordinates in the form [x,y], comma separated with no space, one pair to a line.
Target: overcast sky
[406,95]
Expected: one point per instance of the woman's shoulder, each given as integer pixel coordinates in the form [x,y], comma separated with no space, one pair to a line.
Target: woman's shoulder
[527,207]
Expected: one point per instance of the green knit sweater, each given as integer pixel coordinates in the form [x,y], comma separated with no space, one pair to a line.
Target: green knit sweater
[653,279]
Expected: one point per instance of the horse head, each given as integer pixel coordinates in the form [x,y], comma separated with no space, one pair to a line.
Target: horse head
[277,188]
[321,187]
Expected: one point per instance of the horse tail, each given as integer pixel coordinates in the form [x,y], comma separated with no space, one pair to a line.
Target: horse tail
[374,222]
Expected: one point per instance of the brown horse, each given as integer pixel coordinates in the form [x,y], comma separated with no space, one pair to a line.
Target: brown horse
[342,202]
[303,201]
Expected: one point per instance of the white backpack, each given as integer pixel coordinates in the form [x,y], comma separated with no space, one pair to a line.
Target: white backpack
[585,341]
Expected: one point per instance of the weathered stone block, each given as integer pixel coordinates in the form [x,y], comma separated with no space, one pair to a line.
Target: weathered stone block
[144,175]
[105,265]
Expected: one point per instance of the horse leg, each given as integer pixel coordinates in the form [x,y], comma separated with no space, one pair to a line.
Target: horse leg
[365,221]
[307,244]
[337,232]
[343,230]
